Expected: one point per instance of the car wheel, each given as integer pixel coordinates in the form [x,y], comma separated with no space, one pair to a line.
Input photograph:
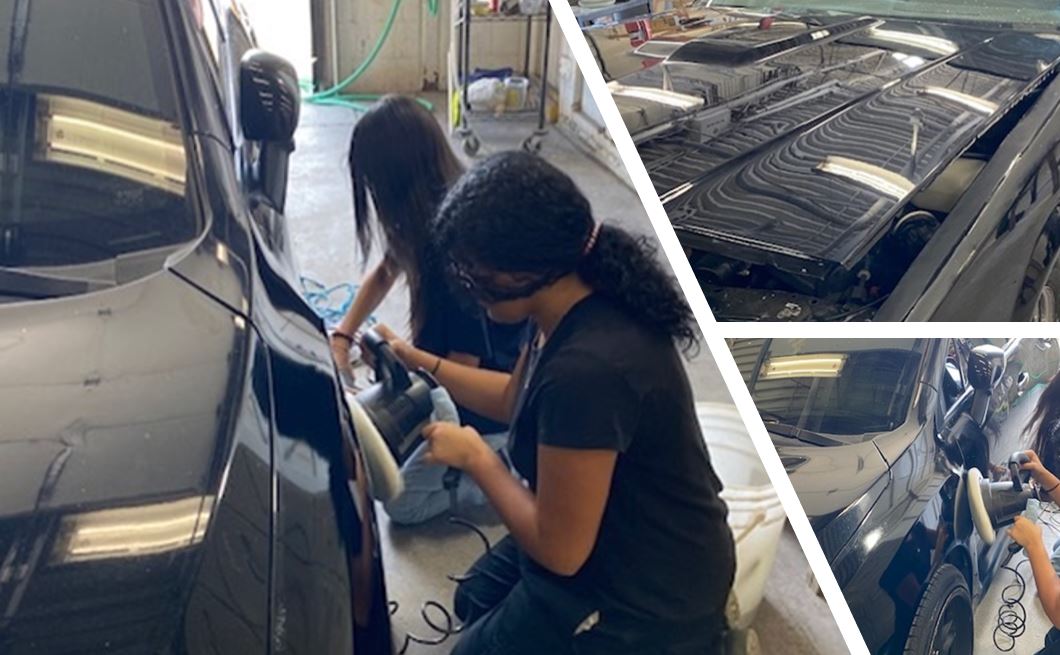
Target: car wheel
[1045,306]
[942,624]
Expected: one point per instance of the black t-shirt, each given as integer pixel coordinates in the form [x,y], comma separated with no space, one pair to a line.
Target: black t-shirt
[453,323]
[664,552]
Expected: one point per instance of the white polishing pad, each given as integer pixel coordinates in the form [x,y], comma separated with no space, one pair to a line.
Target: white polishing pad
[384,475]
[977,507]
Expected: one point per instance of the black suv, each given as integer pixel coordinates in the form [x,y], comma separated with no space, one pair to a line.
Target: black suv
[875,434]
[178,473]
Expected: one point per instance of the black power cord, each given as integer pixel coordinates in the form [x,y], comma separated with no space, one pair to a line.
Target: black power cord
[1012,614]
[443,622]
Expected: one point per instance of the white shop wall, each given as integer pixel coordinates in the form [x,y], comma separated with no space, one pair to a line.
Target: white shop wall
[414,57]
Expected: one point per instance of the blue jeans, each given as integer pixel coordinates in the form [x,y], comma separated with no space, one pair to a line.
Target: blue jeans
[425,496]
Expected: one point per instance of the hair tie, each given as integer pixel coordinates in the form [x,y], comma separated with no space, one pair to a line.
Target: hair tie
[591,242]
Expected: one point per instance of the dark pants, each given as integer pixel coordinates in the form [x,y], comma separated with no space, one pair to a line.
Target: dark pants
[508,615]
[1052,643]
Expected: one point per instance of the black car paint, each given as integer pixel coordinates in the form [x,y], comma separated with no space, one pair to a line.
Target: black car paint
[206,389]
[815,85]
[882,507]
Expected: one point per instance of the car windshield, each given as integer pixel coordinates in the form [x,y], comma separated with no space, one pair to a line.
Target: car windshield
[92,181]
[851,388]
[1010,12]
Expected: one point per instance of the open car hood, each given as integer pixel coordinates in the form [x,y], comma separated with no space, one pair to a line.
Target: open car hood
[799,138]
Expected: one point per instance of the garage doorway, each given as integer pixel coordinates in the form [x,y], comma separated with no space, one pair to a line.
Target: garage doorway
[284,28]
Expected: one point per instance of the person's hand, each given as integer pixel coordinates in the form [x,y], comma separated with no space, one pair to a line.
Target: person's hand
[1026,533]
[457,446]
[1035,466]
[340,352]
[397,344]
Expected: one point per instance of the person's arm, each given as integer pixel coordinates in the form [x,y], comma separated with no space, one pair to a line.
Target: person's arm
[373,289]
[489,393]
[1029,535]
[1045,478]
[586,414]
[557,527]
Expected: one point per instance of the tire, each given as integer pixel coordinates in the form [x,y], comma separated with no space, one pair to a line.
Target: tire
[943,622]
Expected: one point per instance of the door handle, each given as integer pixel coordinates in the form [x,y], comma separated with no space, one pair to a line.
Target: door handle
[1021,382]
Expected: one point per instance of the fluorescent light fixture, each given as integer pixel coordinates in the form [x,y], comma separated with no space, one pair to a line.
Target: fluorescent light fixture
[968,100]
[658,96]
[91,135]
[870,175]
[934,44]
[803,366]
[133,531]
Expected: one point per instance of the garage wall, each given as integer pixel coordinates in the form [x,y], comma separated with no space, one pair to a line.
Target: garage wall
[414,57]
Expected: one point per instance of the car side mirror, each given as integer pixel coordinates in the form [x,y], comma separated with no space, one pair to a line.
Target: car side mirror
[269,103]
[986,366]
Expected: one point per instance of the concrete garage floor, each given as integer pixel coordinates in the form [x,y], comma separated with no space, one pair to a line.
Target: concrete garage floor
[1037,623]
[791,619]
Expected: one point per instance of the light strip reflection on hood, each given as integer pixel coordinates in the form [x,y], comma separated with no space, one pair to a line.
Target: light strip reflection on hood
[934,44]
[870,175]
[969,101]
[660,96]
[133,531]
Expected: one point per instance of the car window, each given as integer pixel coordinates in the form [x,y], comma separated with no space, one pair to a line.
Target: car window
[846,387]
[97,175]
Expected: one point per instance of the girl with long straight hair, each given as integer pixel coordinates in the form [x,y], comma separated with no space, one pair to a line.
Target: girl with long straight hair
[618,539]
[1044,459]
[401,166]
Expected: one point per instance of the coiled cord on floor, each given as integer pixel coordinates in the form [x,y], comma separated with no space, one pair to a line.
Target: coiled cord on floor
[447,626]
[1012,614]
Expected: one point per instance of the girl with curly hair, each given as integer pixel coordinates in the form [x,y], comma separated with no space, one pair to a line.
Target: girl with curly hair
[618,538]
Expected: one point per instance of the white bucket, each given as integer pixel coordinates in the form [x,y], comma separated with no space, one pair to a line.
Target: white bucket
[755,513]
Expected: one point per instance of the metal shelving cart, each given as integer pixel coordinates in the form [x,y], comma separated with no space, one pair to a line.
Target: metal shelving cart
[537,93]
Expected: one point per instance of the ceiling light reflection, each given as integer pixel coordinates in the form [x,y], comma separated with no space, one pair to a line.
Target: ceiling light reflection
[934,44]
[803,366]
[91,135]
[971,102]
[870,175]
[660,96]
[133,531]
